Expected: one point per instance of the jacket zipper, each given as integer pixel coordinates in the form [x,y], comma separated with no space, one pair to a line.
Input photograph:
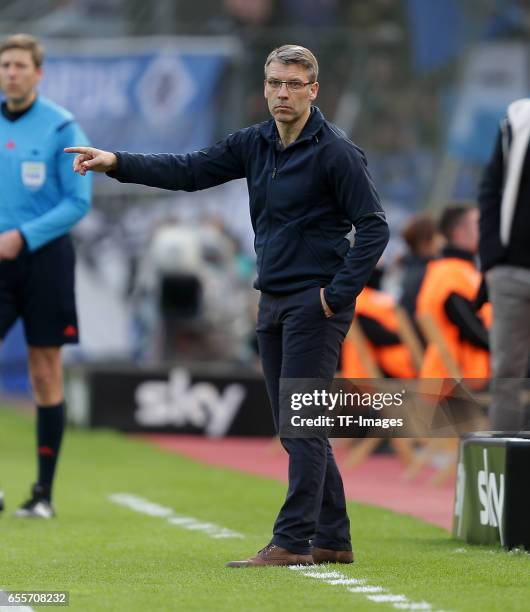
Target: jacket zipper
[267,212]
[273,176]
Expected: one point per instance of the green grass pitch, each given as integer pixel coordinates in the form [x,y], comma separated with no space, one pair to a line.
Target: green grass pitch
[111,558]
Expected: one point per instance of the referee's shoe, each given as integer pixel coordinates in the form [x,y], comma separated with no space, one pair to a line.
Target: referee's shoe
[39,506]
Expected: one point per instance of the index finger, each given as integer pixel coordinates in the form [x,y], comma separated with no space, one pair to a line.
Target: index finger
[77,149]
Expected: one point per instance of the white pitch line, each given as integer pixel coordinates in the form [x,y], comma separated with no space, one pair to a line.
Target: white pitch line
[388,598]
[144,506]
[324,575]
[411,605]
[4,604]
[366,589]
[374,593]
[181,520]
[346,581]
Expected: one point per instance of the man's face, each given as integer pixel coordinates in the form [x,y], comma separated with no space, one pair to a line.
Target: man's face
[18,75]
[288,105]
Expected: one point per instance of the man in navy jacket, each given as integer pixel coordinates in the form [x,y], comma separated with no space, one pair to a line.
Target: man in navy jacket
[308,184]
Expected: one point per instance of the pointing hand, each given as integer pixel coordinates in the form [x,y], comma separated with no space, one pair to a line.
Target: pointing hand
[89,158]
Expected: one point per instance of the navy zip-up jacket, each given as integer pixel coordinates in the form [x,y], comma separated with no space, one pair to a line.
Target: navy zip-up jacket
[304,200]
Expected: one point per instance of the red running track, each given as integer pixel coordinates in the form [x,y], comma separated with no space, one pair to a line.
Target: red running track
[379,480]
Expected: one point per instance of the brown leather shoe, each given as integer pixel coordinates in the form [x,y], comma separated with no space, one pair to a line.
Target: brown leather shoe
[326,555]
[273,555]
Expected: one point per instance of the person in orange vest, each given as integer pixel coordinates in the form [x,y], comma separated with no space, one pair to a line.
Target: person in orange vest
[375,311]
[448,293]
[424,242]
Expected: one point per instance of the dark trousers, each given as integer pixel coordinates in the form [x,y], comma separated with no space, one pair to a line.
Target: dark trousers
[296,340]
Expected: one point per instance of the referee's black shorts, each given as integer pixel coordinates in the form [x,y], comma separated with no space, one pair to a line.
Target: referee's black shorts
[39,288]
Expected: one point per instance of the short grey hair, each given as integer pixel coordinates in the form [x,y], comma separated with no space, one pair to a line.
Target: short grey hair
[294,54]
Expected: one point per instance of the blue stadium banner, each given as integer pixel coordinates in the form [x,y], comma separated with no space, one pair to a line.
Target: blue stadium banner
[149,95]
[493,76]
[437,30]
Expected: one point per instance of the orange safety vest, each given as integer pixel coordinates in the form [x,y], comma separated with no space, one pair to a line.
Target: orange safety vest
[395,360]
[443,277]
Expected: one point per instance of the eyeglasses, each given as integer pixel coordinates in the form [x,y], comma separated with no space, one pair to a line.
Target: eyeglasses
[291,85]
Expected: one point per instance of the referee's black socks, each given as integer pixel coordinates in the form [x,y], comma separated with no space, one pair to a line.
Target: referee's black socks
[50,427]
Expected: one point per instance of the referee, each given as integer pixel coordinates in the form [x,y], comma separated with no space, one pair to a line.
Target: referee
[40,201]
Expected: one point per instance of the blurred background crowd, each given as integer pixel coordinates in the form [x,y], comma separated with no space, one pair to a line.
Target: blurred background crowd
[419,85]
